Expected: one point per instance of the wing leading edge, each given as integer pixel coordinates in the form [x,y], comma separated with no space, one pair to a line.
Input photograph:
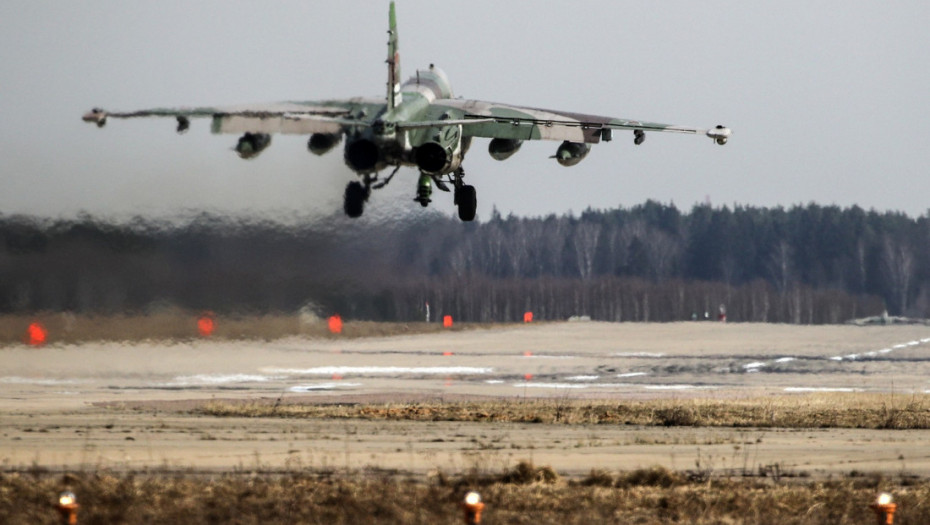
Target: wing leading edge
[505,121]
[299,118]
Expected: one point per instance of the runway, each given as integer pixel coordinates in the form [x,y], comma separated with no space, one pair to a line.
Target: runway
[63,407]
[564,359]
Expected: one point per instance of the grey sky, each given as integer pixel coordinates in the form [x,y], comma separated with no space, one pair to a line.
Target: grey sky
[828,101]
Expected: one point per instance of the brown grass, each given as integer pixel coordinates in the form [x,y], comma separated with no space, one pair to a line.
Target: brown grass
[821,410]
[520,496]
[66,328]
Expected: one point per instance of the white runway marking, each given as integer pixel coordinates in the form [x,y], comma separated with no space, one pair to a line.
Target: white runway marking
[322,386]
[40,381]
[820,389]
[755,366]
[381,370]
[570,386]
[678,387]
[219,379]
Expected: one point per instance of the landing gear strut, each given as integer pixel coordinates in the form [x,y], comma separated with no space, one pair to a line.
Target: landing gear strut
[466,198]
[357,193]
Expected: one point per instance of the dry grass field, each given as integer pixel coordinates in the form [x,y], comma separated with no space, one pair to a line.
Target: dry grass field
[821,410]
[524,494]
[553,423]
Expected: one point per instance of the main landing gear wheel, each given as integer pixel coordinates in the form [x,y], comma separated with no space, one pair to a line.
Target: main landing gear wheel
[467,200]
[354,199]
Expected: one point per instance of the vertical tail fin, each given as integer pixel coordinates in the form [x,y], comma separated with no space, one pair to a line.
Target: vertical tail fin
[393,61]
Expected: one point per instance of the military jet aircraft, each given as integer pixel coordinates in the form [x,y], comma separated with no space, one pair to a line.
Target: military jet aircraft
[419,124]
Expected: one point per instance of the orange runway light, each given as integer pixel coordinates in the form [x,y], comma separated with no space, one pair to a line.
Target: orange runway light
[206,325]
[447,353]
[447,321]
[528,377]
[67,508]
[527,354]
[472,507]
[335,324]
[884,509]
[528,317]
[36,334]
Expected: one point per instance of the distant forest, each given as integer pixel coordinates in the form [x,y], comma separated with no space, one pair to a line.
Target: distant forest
[806,264]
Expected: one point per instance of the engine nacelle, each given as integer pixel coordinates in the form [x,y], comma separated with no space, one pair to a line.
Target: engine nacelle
[363,155]
[251,144]
[321,143]
[571,153]
[720,134]
[442,153]
[433,157]
[97,116]
[502,149]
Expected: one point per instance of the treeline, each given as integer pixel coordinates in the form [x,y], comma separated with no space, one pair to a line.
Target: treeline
[805,264]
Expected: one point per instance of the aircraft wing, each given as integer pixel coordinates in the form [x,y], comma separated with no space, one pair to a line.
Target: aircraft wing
[513,122]
[284,117]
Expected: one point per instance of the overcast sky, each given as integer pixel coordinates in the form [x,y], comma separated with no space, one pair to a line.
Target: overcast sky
[829,102]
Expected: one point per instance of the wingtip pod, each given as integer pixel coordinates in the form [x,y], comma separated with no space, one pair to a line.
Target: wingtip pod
[97,116]
[720,134]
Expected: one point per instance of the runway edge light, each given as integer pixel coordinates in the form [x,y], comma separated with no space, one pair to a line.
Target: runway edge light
[335,324]
[472,507]
[884,509]
[67,508]
[36,334]
[206,324]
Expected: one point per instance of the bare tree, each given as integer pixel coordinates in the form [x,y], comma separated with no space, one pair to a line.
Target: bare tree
[585,244]
[663,251]
[781,266]
[898,263]
[493,243]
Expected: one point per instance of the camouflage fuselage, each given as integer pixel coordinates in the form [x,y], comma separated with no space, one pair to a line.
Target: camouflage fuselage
[402,135]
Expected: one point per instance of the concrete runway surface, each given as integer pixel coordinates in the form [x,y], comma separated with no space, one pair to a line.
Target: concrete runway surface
[53,414]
